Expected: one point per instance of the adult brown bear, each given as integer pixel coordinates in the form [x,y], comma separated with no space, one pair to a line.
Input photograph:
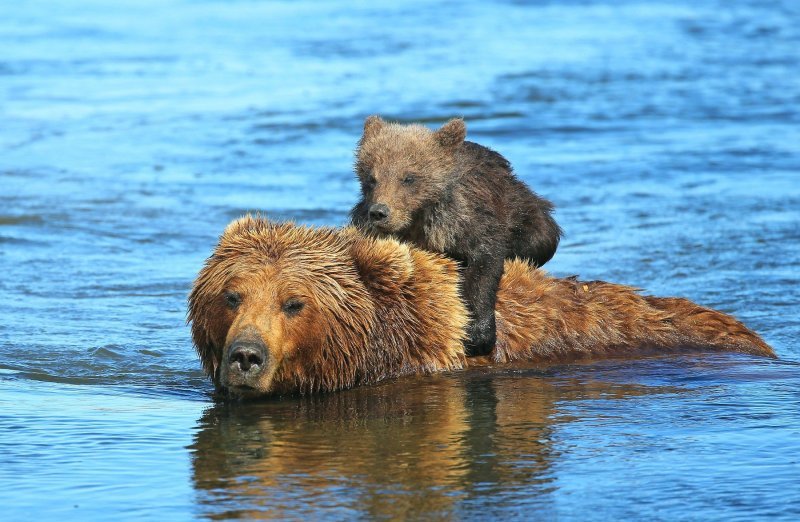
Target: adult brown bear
[280,309]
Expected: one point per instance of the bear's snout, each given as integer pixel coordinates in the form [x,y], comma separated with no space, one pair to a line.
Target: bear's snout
[246,360]
[247,355]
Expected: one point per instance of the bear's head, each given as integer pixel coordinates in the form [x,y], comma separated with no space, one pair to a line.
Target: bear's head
[280,308]
[403,169]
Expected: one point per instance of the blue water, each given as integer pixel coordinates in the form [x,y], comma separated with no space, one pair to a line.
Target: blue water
[667,134]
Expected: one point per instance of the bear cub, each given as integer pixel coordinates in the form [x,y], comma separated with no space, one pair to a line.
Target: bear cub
[455,197]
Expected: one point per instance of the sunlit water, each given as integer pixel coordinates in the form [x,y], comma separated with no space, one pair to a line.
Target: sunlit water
[667,133]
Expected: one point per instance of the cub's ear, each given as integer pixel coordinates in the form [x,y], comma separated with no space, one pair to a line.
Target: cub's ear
[384,265]
[452,133]
[372,125]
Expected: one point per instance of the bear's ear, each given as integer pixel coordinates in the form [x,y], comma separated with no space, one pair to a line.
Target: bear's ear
[206,312]
[383,265]
[452,133]
[207,332]
[372,125]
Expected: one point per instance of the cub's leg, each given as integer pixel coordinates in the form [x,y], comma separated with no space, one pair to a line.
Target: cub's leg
[481,281]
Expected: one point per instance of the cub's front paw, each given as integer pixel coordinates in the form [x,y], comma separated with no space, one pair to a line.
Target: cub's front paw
[480,342]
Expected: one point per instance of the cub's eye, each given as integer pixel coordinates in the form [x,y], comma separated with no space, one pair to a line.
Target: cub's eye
[370,181]
[293,306]
[409,179]
[233,300]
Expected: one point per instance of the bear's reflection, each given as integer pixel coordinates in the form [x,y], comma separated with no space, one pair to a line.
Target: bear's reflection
[417,447]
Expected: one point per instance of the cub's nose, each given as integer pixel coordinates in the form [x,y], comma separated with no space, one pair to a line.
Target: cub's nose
[378,212]
[247,355]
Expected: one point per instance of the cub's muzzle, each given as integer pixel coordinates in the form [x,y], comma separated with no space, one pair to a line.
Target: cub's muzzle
[378,212]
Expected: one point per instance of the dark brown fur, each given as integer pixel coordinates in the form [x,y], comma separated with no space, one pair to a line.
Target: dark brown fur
[377,308]
[456,198]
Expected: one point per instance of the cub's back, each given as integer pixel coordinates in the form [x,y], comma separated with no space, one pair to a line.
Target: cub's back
[519,215]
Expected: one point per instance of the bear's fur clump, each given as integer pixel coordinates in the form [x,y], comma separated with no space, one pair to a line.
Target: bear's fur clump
[453,197]
[280,309]
[542,318]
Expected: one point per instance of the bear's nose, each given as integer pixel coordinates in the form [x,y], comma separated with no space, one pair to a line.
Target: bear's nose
[247,354]
[378,212]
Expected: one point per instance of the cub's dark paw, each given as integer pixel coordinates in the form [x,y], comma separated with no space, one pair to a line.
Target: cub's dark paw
[481,341]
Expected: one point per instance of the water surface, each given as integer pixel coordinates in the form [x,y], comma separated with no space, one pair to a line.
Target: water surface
[665,132]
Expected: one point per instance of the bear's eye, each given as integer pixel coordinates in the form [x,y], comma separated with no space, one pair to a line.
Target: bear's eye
[293,306]
[233,300]
[370,181]
[409,179]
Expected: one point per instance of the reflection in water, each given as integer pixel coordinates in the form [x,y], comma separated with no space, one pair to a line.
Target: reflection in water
[429,447]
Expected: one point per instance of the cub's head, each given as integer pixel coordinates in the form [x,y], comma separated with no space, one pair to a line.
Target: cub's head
[280,308]
[402,169]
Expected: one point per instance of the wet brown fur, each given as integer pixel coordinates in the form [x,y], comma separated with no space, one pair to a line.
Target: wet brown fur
[542,318]
[377,308]
[373,308]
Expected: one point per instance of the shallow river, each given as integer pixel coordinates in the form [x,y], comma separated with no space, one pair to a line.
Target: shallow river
[131,132]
